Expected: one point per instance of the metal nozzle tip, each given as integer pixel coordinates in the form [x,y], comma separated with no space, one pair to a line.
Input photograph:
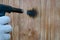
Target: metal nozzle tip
[18,10]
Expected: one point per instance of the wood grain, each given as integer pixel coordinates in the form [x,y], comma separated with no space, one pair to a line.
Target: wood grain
[45,26]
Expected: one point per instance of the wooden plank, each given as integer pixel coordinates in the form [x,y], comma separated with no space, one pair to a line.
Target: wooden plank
[45,26]
[1,1]
[57,20]
[30,27]
[44,35]
[14,16]
[47,20]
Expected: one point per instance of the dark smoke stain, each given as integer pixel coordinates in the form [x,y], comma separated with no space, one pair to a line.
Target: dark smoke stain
[32,13]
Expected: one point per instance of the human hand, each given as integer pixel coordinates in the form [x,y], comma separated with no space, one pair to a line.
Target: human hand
[5,28]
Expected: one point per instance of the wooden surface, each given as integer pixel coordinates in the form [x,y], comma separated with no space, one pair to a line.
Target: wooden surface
[46,26]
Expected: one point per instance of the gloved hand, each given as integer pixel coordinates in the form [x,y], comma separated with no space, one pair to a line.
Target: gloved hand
[5,28]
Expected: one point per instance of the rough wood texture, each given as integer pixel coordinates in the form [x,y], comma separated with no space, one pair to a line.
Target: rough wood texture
[46,26]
